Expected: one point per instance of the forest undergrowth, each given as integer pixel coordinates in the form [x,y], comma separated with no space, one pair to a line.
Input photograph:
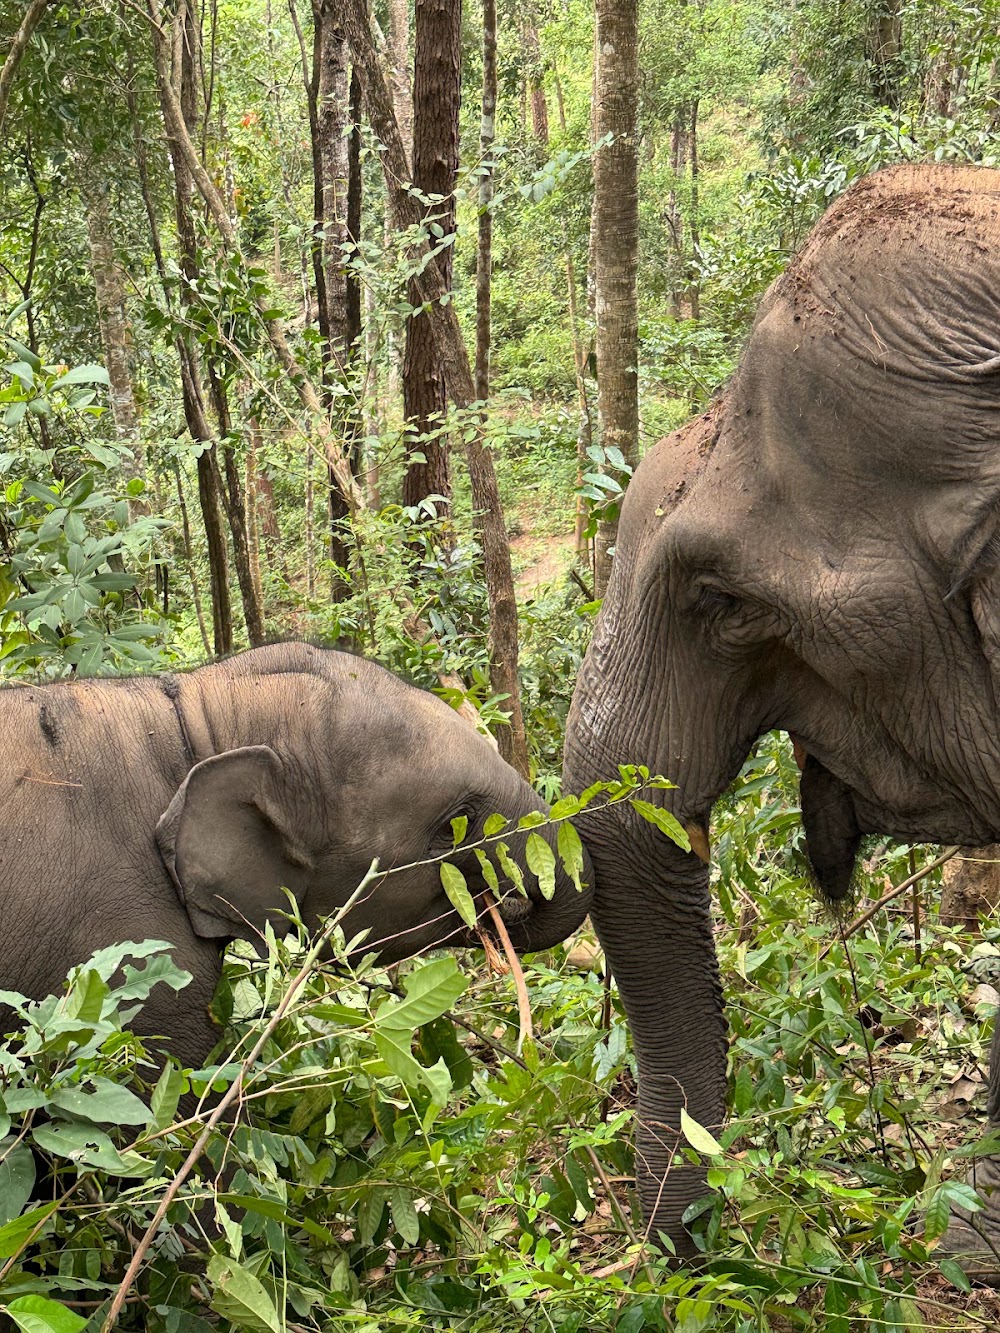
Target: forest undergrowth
[399,1158]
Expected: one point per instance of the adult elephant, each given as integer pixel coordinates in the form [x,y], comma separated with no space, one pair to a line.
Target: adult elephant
[177,807]
[820,553]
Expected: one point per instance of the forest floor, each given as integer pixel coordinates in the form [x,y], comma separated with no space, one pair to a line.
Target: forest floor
[540,560]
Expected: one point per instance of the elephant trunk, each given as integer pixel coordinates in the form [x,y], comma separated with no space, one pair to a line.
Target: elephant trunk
[657,934]
[541,923]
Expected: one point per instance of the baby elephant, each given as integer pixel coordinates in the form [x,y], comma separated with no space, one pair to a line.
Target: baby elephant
[178,807]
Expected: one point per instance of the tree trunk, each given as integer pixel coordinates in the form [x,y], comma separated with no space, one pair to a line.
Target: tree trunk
[432,293]
[484,257]
[437,90]
[189,559]
[109,289]
[399,64]
[615,226]
[536,84]
[971,887]
[19,44]
[231,491]
[886,46]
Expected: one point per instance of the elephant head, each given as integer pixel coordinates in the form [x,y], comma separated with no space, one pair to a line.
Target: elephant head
[342,764]
[820,553]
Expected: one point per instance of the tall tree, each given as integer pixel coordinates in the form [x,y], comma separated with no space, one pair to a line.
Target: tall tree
[8,72]
[615,243]
[437,93]
[433,294]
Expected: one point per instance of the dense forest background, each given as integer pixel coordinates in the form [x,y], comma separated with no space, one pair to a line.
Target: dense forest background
[223,421]
[352,326]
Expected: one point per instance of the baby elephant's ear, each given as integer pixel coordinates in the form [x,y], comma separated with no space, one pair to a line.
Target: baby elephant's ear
[224,838]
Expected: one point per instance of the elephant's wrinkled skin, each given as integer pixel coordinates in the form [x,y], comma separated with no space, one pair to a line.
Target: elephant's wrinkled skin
[820,553]
[176,807]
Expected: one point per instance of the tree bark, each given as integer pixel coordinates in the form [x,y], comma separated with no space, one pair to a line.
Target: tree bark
[437,90]
[886,46]
[399,64]
[615,226]
[535,84]
[28,24]
[189,559]
[112,320]
[451,348]
[484,257]
[337,456]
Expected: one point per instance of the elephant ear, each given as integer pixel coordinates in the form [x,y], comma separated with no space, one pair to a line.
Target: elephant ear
[225,840]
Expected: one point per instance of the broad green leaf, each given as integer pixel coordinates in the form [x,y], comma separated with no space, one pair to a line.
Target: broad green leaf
[17,1178]
[494,824]
[250,1203]
[37,1314]
[239,1297]
[86,997]
[664,821]
[166,1096]
[108,1104]
[82,375]
[566,807]
[533,819]
[698,1136]
[571,852]
[541,861]
[404,1214]
[14,1234]
[453,882]
[955,1274]
[936,1216]
[394,1048]
[459,828]
[430,992]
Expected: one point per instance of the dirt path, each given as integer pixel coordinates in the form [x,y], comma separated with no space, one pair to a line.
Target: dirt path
[542,561]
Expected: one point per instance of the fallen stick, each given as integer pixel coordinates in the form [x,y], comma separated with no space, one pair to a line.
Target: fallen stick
[526,1031]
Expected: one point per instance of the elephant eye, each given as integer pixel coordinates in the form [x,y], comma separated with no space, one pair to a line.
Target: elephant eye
[443,837]
[717,602]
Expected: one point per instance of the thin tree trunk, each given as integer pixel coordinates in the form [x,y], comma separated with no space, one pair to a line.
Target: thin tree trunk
[536,84]
[437,91]
[433,293]
[886,46]
[115,333]
[28,24]
[234,503]
[399,63]
[616,243]
[337,456]
[694,286]
[251,486]
[484,258]
[189,559]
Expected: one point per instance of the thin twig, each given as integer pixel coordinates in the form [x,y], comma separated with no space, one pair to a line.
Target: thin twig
[526,1030]
[234,1091]
[875,908]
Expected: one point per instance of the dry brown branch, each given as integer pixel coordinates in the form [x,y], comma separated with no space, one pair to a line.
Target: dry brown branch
[526,1031]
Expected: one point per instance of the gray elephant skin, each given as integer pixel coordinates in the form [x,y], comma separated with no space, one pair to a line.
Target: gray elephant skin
[177,807]
[819,553]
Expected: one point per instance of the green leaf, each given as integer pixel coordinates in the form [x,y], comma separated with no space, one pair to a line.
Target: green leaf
[37,1314]
[239,1297]
[488,870]
[166,1097]
[82,375]
[494,824]
[14,1234]
[17,1178]
[457,891]
[459,828]
[541,861]
[86,997]
[664,821]
[955,1274]
[394,1048]
[430,992]
[404,1214]
[510,868]
[250,1203]
[698,1136]
[936,1216]
[571,852]
[108,1104]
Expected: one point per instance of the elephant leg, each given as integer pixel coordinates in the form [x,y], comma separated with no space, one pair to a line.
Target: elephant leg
[974,1238]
